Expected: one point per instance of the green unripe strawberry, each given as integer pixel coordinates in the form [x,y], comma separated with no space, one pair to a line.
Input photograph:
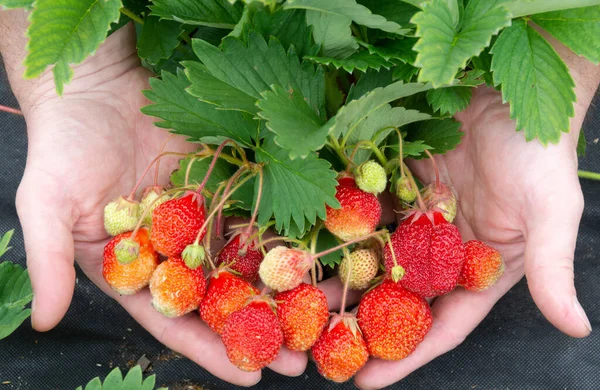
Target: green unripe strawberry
[127,251]
[149,199]
[120,216]
[194,255]
[405,190]
[371,177]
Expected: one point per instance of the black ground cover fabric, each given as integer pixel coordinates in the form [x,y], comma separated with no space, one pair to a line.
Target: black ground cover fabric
[513,348]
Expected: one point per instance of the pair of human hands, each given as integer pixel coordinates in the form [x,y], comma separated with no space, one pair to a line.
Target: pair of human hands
[91,145]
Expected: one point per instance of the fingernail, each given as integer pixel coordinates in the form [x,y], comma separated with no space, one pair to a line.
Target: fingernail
[581,313]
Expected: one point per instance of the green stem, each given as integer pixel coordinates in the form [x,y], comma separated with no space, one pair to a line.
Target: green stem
[589,175]
[520,8]
[339,151]
[131,15]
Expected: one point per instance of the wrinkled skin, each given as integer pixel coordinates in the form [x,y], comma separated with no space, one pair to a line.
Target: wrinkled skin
[90,146]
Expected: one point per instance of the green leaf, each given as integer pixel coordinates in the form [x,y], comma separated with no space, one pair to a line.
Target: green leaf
[370,80]
[444,48]
[334,96]
[325,241]
[133,380]
[186,115]
[449,101]
[581,144]
[349,9]
[332,32]
[379,125]
[296,126]
[264,65]
[4,241]
[541,93]
[361,60]
[575,28]
[395,10]
[520,8]
[441,135]
[158,39]
[115,381]
[294,190]
[404,72]
[213,13]
[352,114]
[394,49]
[414,149]
[65,32]
[28,4]
[15,293]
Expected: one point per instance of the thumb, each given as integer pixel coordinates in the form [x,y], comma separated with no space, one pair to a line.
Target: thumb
[549,253]
[46,220]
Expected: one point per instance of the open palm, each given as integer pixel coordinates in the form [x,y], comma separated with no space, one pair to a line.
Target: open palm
[523,199]
[85,149]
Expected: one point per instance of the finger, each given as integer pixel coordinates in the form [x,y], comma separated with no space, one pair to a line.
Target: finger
[454,316]
[333,289]
[47,226]
[289,363]
[551,239]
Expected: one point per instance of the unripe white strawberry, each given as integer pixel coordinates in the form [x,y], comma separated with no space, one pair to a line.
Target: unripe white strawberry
[283,268]
[405,190]
[149,199]
[371,177]
[364,268]
[120,216]
[441,197]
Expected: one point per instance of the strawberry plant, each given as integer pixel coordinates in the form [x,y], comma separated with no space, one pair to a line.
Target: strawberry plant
[303,112]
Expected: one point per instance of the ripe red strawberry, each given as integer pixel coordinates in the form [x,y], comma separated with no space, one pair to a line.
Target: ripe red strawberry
[175,288]
[245,262]
[226,293]
[129,278]
[482,268]
[302,312]
[252,336]
[358,215]
[283,268]
[431,254]
[393,320]
[175,224]
[341,350]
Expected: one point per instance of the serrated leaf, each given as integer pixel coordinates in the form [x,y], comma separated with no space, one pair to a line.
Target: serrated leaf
[370,80]
[394,49]
[519,8]
[15,293]
[332,33]
[334,96]
[394,10]
[349,9]
[158,39]
[65,32]
[94,384]
[325,241]
[414,149]
[296,126]
[404,72]
[575,28]
[133,380]
[289,27]
[444,48]
[352,114]
[149,383]
[28,4]
[213,13]
[379,125]
[441,135]
[449,101]
[186,115]
[361,60]
[581,144]
[5,241]
[254,68]
[115,381]
[541,93]
[294,190]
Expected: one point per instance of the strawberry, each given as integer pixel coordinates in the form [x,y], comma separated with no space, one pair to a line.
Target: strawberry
[121,215]
[252,336]
[176,223]
[243,260]
[438,196]
[226,293]
[364,268]
[150,201]
[303,312]
[431,254]
[393,320]
[482,268]
[176,289]
[129,278]
[283,268]
[371,177]
[341,350]
[358,215]
[405,191]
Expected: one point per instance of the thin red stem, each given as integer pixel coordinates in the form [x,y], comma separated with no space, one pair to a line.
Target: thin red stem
[162,149]
[345,244]
[248,231]
[347,282]
[10,110]
[230,182]
[400,152]
[420,201]
[437,171]
[212,165]
[389,242]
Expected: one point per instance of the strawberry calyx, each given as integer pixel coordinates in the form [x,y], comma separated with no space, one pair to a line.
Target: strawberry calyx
[127,251]
[194,256]
[348,319]
[262,298]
